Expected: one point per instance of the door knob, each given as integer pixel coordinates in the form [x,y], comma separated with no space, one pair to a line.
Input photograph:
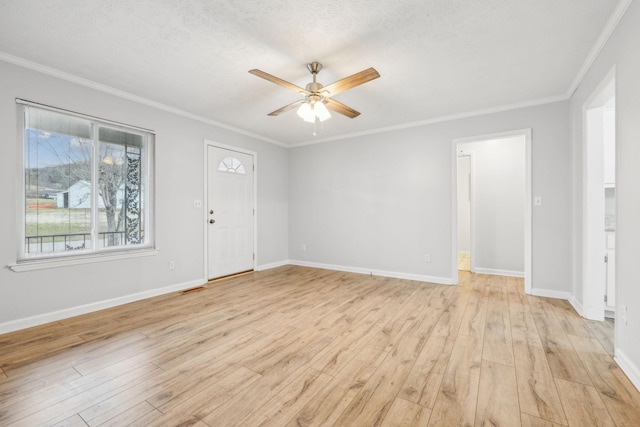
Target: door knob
[211,211]
[211,221]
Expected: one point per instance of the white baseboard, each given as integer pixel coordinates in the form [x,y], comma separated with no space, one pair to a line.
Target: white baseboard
[630,369]
[41,319]
[273,265]
[395,275]
[577,305]
[496,272]
[549,293]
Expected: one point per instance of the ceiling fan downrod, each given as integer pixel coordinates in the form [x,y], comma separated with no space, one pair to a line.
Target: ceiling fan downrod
[314,68]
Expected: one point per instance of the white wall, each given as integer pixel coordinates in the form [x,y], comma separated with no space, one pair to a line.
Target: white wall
[499,178]
[620,51]
[29,297]
[464,203]
[381,202]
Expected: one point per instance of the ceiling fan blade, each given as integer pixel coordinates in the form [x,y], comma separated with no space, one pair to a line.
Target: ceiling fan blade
[278,81]
[339,107]
[352,81]
[286,108]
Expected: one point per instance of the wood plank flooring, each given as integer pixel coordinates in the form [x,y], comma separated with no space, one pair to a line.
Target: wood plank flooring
[297,346]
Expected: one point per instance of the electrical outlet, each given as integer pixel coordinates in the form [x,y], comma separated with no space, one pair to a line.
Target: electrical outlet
[427,258]
[197,203]
[623,314]
[172,265]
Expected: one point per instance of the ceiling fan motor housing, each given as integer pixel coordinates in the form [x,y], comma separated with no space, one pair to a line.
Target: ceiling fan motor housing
[314,67]
[314,87]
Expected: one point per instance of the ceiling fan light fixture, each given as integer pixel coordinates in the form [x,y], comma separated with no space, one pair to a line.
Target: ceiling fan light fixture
[321,111]
[316,95]
[306,113]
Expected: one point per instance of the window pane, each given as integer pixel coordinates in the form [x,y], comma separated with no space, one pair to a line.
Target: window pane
[86,184]
[57,169]
[121,184]
[232,165]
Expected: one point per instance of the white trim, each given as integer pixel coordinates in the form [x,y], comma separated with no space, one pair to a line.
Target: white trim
[528,214]
[599,96]
[528,220]
[271,265]
[454,213]
[371,272]
[631,370]
[66,313]
[593,251]
[128,127]
[597,47]
[42,264]
[496,272]
[609,28]
[442,119]
[126,95]
[21,62]
[208,143]
[472,211]
[577,305]
[205,206]
[552,293]
[20,209]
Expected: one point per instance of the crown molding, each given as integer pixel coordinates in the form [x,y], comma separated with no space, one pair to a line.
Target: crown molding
[21,62]
[442,119]
[597,47]
[599,44]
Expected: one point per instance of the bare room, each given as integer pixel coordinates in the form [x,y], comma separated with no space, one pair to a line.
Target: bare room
[243,213]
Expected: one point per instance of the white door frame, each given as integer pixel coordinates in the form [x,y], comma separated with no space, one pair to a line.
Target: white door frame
[593,234]
[205,218]
[526,133]
[472,205]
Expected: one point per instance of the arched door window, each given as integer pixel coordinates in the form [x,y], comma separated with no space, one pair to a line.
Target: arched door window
[231,165]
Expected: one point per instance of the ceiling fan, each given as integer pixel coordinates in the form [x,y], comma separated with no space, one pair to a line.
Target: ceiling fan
[318,98]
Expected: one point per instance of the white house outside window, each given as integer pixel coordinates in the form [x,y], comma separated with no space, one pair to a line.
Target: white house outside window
[87,185]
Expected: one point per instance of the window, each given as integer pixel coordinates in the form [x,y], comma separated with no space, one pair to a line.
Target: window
[232,165]
[87,184]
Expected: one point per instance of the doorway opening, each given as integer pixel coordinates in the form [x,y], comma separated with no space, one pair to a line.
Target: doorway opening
[495,219]
[599,202]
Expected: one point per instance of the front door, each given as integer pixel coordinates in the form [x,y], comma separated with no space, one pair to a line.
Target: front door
[230,212]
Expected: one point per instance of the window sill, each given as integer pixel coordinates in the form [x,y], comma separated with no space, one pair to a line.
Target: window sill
[41,264]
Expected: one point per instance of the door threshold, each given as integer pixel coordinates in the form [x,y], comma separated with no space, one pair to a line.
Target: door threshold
[228,276]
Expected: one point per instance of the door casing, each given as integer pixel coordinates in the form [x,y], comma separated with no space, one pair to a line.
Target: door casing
[593,234]
[526,134]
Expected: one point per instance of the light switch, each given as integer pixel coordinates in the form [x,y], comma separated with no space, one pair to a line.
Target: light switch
[537,201]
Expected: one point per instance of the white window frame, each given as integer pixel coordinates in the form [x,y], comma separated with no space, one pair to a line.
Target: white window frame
[26,262]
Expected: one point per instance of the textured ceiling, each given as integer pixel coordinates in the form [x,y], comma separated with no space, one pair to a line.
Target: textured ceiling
[437,58]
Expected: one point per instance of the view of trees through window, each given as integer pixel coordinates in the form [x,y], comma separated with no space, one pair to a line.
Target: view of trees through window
[84,184]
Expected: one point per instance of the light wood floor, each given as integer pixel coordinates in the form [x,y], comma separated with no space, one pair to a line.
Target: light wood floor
[464,261]
[298,346]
